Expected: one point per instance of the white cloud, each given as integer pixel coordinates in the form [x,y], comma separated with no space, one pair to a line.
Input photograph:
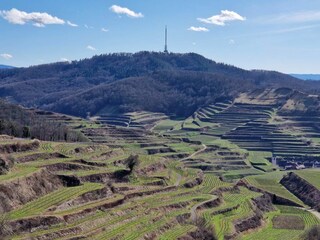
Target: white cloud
[38,19]
[123,10]
[72,24]
[64,60]
[6,56]
[198,29]
[88,27]
[297,17]
[104,30]
[222,18]
[232,42]
[89,47]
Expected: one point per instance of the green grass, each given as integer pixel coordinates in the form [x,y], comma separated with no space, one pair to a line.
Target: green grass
[223,223]
[122,228]
[40,205]
[270,183]
[167,125]
[18,171]
[184,147]
[212,182]
[259,158]
[311,175]
[308,218]
[176,232]
[237,174]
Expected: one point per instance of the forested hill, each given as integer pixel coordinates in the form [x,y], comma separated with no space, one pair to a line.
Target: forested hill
[170,83]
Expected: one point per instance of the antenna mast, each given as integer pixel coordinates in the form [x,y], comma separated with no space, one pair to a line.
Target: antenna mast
[166,41]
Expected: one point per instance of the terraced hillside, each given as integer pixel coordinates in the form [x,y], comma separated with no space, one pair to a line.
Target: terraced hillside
[145,175]
[86,190]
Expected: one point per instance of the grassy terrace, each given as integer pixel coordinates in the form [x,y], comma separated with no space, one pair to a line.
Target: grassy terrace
[270,182]
[39,206]
[312,176]
[242,208]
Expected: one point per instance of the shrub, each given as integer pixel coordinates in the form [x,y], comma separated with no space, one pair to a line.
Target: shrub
[312,233]
[6,162]
[132,162]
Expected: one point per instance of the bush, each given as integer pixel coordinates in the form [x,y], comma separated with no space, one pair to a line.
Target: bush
[6,162]
[313,233]
[132,162]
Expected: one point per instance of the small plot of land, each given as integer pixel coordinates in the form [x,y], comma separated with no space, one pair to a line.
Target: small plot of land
[284,223]
[288,222]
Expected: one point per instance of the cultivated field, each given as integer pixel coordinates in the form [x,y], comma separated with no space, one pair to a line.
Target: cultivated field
[145,175]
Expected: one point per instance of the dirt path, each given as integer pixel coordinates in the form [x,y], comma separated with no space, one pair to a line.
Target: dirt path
[195,153]
[314,212]
[193,210]
[177,183]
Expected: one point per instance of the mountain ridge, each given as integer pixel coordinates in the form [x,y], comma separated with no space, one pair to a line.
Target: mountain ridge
[315,77]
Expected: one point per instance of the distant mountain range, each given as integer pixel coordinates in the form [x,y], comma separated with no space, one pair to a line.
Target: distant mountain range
[5,67]
[174,84]
[307,76]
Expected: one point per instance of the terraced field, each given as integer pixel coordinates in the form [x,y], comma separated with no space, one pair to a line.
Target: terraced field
[312,176]
[208,174]
[270,183]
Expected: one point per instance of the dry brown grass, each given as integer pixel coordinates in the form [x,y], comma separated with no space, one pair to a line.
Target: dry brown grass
[288,222]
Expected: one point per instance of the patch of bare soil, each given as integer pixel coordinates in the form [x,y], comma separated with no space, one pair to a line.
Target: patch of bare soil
[85,198]
[6,163]
[58,234]
[160,150]
[87,149]
[309,194]
[152,168]
[288,222]
[30,224]
[6,137]
[195,182]
[20,191]
[67,167]
[251,222]
[97,178]
[95,164]
[275,198]
[19,147]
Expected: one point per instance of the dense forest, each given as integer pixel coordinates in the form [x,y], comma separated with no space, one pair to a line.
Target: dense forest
[20,122]
[169,83]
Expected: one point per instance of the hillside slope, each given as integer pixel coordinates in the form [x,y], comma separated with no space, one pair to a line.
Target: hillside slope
[169,83]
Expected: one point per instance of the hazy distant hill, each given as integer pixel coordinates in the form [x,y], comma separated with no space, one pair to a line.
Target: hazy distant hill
[307,76]
[5,67]
[169,83]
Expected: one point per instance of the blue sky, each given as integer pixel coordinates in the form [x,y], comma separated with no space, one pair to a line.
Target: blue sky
[282,35]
